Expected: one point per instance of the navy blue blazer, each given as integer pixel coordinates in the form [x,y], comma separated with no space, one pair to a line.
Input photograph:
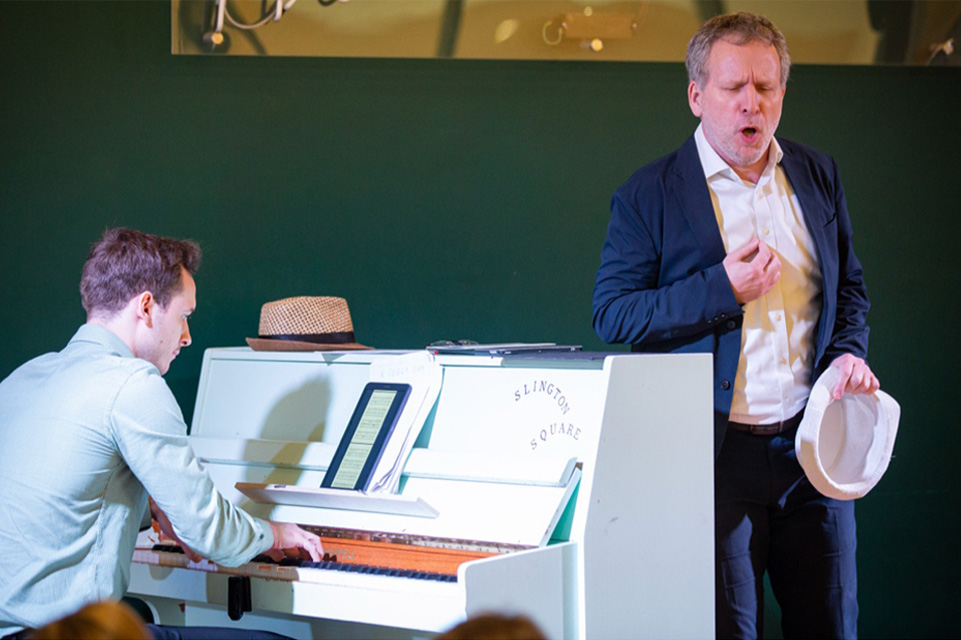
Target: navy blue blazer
[662,288]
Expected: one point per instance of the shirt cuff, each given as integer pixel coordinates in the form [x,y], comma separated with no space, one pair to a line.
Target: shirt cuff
[265,535]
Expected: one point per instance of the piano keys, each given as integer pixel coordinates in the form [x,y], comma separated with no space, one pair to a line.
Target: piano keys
[603,528]
[351,551]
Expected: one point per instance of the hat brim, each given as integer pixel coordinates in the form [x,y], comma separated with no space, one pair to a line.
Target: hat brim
[267,344]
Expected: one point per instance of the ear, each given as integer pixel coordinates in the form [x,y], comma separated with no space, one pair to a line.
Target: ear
[694,98]
[144,305]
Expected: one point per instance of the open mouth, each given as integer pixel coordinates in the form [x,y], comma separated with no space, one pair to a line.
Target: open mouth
[749,133]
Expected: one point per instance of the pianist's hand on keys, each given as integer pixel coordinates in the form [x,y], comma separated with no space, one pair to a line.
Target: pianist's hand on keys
[288,538]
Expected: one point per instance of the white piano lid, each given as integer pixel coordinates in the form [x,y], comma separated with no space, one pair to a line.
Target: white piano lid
[336,499]
[275,453]
[551,470]
[514,514]
[456,465]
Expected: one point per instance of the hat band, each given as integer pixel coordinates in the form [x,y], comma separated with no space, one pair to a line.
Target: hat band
[340,337]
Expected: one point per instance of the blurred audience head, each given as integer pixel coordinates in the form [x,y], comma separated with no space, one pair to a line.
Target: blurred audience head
[107,620]
[493,626]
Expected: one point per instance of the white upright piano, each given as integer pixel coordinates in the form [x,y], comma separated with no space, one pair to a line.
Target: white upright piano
[576,489]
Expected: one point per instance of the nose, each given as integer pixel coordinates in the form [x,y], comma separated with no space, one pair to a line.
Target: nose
[750,99]
[185,336]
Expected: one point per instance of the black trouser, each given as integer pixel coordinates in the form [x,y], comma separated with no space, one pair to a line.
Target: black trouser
[768,517]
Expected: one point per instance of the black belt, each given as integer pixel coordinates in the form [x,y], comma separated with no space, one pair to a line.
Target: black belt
[19,635]
[767,429]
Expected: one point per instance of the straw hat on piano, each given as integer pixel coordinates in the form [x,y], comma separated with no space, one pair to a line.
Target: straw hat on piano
[305,323]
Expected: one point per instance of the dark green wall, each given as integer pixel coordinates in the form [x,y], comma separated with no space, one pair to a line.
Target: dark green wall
[451,199]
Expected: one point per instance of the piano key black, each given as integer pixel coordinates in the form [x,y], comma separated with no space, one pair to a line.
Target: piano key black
[169,548]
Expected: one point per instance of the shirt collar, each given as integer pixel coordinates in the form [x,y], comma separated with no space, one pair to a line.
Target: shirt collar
[714,164]
[103,337]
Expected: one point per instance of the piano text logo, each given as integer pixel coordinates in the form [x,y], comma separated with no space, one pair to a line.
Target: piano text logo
[546,389]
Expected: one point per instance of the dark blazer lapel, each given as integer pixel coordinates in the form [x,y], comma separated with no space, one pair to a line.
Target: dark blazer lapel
[691,190]
[815,215]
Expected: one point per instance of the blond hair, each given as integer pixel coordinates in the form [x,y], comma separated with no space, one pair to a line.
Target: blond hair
[738,28]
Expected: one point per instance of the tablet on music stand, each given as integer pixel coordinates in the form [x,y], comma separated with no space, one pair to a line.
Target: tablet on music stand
[366,436]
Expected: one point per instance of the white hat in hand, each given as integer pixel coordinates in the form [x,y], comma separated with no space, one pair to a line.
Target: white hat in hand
[844,446]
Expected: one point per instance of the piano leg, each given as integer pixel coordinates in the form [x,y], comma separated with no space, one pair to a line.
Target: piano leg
[238,596]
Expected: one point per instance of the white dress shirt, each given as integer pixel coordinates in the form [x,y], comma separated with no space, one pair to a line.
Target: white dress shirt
[777,337]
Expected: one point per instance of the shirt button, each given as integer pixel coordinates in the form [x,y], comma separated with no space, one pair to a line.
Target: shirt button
[777,316]
[782,360]
[767,232]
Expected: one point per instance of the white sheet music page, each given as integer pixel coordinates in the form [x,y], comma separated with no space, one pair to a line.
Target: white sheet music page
[424,375]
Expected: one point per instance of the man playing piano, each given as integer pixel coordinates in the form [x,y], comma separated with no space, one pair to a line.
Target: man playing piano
[88,433]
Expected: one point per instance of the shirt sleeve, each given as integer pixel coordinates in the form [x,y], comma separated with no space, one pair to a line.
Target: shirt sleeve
[151,435]
[631,302]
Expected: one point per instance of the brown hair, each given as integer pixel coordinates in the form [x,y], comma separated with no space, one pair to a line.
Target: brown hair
[126,262]
[107,620]
[739,28]
[493,626]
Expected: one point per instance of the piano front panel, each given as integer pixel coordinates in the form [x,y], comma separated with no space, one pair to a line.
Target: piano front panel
[277,396]
[502,582]
[369,599]
[520,410]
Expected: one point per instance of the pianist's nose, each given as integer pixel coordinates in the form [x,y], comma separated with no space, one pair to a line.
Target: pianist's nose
[185,336]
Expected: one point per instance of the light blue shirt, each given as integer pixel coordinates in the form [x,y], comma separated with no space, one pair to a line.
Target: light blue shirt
[85,435]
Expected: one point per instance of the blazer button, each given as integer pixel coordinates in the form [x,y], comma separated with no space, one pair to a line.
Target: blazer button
[725,384]
[731,324]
